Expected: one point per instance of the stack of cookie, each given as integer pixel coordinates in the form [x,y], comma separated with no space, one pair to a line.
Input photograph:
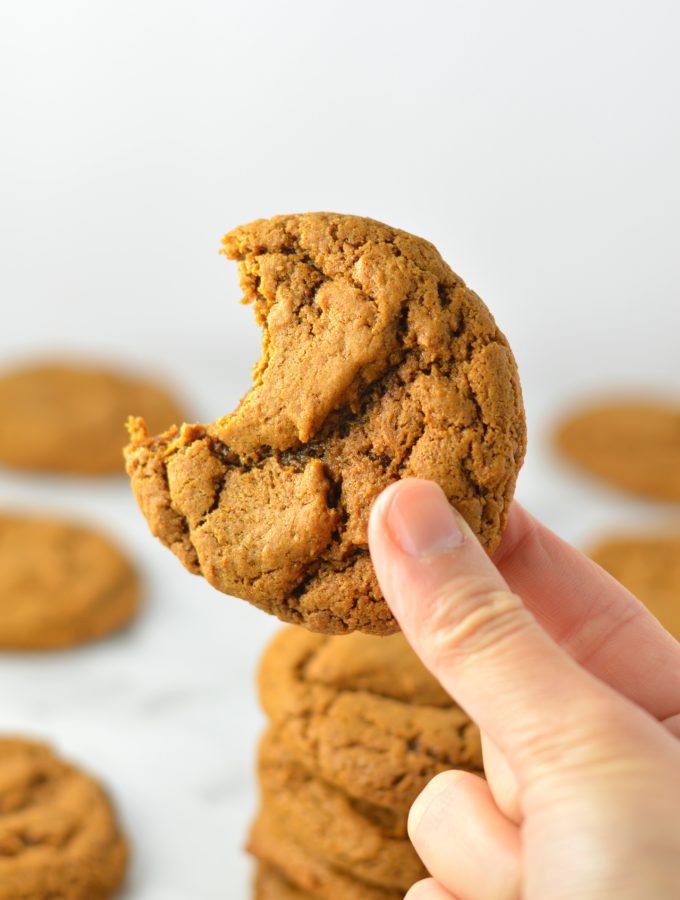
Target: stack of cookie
[357,729]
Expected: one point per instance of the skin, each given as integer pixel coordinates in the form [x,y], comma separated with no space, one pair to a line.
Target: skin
[576,689]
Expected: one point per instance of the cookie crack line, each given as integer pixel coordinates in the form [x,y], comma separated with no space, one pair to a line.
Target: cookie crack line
[377,363]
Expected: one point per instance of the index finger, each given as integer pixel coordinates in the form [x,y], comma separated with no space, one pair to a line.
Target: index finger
[593,617]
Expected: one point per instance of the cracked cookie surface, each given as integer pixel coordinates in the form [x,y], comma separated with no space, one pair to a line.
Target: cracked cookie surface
[377,363]
[326,823]
[364,715]
[60,584]
[58,833]
[62,417]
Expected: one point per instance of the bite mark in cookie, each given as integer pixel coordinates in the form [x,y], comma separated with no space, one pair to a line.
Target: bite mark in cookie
[377,363]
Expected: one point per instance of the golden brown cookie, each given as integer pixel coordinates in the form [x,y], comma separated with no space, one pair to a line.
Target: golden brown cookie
[270,842]
[59,837]
[326,823]
[378,747]
[59,417]
[60,584]
[649,566]
[631,445]
[270,884]
[377,363]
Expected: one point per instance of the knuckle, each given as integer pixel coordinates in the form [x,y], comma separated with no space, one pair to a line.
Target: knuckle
[472,618]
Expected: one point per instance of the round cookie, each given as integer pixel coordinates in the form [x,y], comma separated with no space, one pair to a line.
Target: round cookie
[270,842]
[377,363]
[326,823]
[379,745]
[59,837]
[270,884]
[60,584]
[630,445]
[649,566]
[58,417]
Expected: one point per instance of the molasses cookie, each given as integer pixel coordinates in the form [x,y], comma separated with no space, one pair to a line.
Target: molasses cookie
[377,363]
[70,418]
[328,824]
[649,566]
[632,445]
[60,584]
[270,842]
[59,837]
[378,730]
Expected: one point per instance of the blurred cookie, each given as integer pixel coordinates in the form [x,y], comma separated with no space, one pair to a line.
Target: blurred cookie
[71,418]
[270,884]
[377,729]
[60,584]
[59,837]
[631,445]
[326,823]
[649,566]
[270,842]
[377,363]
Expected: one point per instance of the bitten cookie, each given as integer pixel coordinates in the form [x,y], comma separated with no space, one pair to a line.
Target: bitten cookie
[59,837]
[377,363]
[328,824]
[364,715]
[649,566]
[71,418]
[631,445]
[60,584]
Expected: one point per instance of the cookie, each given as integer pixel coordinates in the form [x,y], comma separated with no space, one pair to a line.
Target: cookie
[60,584]
[380,748]
[270,842]
[377,363]
[59,837]
[270,884]
[632,445]
[649,566]
[327,824]
[59,417]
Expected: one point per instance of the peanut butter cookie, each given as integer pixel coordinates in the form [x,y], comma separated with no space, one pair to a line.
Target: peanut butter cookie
[377,363]
[60,584]
[71,418]
[270,884]
[59,837]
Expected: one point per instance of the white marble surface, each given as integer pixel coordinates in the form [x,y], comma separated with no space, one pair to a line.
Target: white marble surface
[536,144]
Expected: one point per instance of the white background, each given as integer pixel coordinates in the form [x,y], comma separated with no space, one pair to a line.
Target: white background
[535,143]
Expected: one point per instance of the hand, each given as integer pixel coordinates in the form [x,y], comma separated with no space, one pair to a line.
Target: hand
[576,689]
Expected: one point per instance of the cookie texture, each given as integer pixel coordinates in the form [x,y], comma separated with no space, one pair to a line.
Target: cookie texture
[60,584]
[632,445]
[377,730]
[377,363]
[270,843]
[270,884]
[649,566]
[59,837]
[62,417]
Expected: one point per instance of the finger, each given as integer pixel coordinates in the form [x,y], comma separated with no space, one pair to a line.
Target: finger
[464,841]
[428,889]
[591,615]
[476,636]
[501,779]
